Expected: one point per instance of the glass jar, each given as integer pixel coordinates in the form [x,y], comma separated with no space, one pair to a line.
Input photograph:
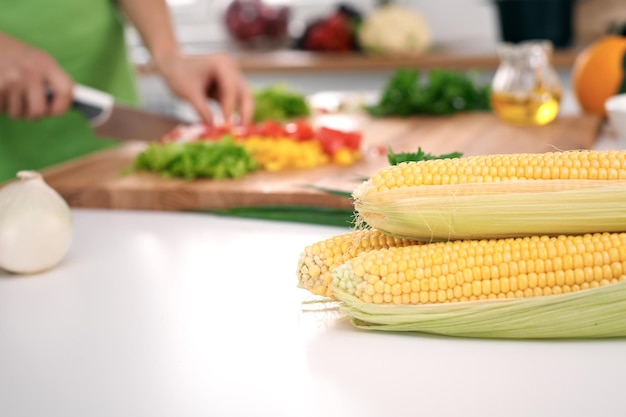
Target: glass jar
[526,89]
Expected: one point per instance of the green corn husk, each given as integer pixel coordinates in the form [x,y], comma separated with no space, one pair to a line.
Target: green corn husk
[495,210]
[591,313]
[326,216]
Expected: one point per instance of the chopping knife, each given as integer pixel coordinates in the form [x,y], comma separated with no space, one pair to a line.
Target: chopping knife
[114,120]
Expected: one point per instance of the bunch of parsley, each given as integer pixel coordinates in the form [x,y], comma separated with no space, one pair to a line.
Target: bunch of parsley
[438,92]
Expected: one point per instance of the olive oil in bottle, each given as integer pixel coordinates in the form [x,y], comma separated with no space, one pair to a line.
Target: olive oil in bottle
[539,107]
[526,90]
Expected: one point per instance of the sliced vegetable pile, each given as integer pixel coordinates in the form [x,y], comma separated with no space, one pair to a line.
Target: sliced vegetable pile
[502,246]
[217,159]
[202,151]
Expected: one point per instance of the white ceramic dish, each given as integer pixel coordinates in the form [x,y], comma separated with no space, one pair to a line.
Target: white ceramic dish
[616,111]
[332,102]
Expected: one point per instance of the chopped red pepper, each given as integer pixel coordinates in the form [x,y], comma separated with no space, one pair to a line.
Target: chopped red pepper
[300,130]
[332,139]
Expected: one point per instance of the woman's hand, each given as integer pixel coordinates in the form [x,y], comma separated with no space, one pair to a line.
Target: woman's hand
[194,78]
[27,74]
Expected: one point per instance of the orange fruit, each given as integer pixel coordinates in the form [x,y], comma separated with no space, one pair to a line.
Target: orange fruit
[598,73]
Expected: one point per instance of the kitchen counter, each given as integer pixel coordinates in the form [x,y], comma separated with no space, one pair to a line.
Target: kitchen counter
[179,314]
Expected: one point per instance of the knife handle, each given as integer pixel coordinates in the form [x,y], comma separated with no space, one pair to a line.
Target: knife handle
[95,105]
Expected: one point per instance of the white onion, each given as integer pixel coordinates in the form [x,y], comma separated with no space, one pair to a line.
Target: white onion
[35,225]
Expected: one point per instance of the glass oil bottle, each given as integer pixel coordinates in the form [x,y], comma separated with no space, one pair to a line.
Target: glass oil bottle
[526,89]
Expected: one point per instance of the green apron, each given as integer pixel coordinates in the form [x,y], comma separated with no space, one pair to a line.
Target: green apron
[87,39]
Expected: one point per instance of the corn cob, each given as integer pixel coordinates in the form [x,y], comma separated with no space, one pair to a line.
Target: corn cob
[473,270]
[564,286]
[317,260]
[497,196]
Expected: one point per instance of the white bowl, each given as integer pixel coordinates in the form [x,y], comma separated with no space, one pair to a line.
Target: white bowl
[616,111]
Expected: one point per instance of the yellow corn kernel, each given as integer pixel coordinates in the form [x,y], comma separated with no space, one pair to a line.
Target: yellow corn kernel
[317,260]
[480,286]
[472,169]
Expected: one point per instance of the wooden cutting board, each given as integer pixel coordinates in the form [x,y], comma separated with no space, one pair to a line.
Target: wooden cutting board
[97,181]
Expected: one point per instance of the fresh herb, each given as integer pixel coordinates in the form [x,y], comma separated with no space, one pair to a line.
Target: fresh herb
[279,103]
[420,155]
[203,159]
[440,92]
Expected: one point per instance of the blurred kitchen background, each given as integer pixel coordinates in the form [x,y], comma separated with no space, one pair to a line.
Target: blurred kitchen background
[464,35]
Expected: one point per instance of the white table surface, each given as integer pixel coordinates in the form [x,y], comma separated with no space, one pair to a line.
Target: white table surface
[178,314]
